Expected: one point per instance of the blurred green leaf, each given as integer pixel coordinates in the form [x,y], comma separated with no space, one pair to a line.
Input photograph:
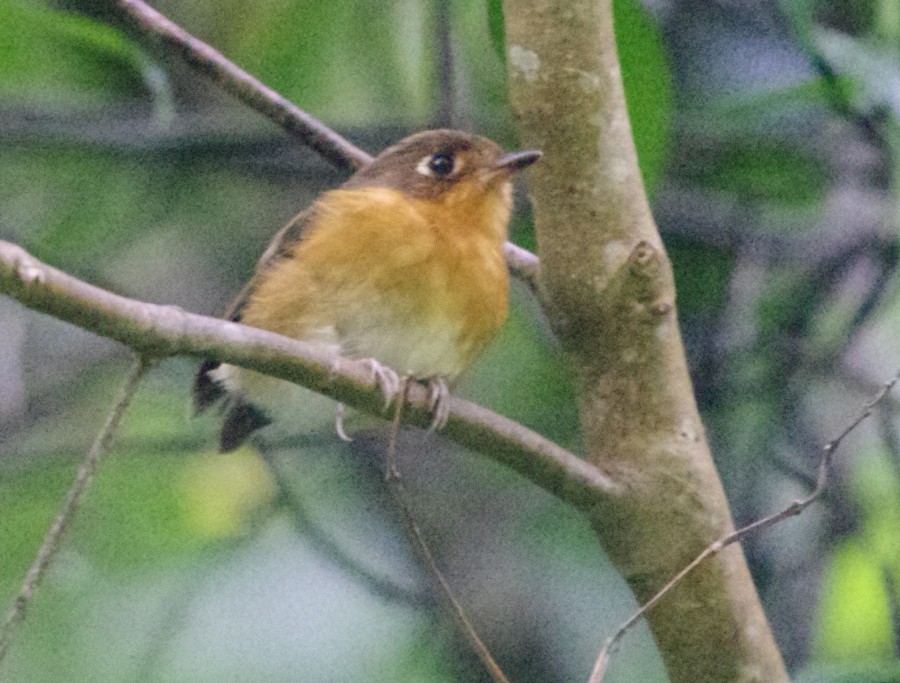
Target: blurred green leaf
[497,28]
[648,86]
[269,609]
[801,12]
[53,59]
[787,298]
[887,21]
[743,110]
[103,216]
[764,171]
[854,618]
[347,62]
[702,274]
[28,500]
[522,372]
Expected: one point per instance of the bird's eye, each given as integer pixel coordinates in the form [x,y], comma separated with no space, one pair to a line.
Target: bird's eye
[437,165]
[441,164]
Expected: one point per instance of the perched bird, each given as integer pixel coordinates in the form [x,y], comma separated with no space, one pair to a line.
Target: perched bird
[402,265]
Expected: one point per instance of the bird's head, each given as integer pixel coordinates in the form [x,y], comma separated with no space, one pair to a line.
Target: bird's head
[445,166]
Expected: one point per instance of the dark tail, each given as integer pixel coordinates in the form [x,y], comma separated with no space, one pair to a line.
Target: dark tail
[206,390]
[241,420]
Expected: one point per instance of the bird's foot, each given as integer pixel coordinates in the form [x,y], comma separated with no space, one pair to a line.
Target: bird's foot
[438,403]
[387,380]
[390,384]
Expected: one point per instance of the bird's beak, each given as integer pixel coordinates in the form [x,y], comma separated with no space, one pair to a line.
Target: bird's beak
[516,161]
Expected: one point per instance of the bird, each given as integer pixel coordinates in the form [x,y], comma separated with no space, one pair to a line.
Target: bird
[402,266]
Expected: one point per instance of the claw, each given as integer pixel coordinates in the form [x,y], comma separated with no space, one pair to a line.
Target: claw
[389,383]
[438,403]
[388,380]
[339,424]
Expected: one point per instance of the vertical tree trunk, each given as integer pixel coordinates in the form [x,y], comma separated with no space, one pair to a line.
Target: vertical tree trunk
[609,291]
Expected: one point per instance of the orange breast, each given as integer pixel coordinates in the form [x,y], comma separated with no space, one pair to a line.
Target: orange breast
[418,285]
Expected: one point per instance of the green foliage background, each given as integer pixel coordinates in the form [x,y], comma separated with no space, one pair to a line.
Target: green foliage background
[773,183]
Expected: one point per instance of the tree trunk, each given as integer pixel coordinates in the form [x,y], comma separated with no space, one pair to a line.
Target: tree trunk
[608,288]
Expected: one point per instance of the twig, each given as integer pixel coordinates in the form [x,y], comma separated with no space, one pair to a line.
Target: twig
[398,491]
[67,512]
[231,78]
[524,265]
[795,508]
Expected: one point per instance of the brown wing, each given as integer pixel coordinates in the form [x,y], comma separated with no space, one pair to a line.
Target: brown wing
[281,245]
[206,390]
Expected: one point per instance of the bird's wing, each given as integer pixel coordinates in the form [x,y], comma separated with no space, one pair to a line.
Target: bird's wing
[281,245]
[206,390]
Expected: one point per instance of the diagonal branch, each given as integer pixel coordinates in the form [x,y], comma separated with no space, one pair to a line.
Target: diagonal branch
[234,80]
[160,331]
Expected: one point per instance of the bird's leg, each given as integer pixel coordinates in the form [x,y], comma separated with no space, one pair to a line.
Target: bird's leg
[438,403]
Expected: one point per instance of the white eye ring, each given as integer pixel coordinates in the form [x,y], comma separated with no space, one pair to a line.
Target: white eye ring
[425,165]
[422,167]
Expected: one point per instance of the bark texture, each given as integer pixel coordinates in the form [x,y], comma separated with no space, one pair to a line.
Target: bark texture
[608,288]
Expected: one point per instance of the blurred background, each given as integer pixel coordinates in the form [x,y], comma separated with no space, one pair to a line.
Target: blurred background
[768,137]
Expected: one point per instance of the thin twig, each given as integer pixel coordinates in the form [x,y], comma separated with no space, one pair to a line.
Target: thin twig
[398,491]
[795,508]
[524,265]
[69,508]
[252,92]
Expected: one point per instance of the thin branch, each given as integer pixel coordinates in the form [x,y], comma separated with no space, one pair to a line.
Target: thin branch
[792,510]
[524,265]
[66,514]
[161,331]
[297,123]
[398,492]
[234,80]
